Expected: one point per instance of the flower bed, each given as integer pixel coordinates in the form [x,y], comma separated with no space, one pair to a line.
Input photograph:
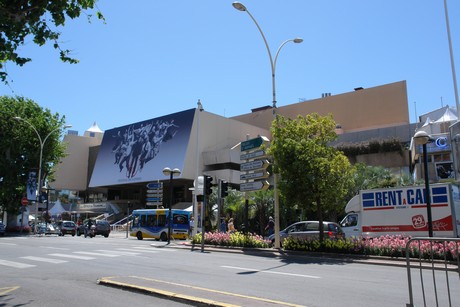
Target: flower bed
[236,239]
[390,246]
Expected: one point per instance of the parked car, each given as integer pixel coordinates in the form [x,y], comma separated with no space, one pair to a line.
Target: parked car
[102,227]
[66,227]
[2,229]
[309,230]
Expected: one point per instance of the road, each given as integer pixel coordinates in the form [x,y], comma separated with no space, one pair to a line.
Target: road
[57,271]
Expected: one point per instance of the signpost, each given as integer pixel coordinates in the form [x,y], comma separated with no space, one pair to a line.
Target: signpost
[154,195]
[255,165]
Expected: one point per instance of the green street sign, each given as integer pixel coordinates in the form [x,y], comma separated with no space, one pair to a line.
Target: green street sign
[253,143]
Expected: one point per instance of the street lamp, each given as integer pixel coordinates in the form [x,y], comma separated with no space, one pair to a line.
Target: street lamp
[168,172]
[42,144]
[423,138]
[47,189]
[197,170]
[240,7]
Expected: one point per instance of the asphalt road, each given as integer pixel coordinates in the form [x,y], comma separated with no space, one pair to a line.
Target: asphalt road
[115,271]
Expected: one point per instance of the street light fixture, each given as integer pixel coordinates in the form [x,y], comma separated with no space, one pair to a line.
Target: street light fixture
[423,138]
[42,145]
[240,7]
[171,173]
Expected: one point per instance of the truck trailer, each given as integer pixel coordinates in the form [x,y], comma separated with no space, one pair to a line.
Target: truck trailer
[403,211]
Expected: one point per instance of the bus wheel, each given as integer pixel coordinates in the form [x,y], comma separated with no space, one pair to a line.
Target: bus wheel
[139,235]
[164,236]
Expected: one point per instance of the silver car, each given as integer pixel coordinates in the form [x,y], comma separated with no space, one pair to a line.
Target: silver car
[309,230]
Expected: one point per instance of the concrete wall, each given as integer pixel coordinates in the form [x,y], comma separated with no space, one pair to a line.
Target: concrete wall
[372,108]
[72,172]
[217,135]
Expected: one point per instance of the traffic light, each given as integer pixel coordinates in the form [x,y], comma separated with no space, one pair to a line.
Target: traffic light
[207,185]
[223,189]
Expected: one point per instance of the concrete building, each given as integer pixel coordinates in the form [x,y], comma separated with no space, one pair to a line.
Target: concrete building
[200,143]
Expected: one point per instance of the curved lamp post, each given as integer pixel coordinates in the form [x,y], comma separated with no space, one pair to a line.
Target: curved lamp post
[423,138]
[42,145]
[240,7]
[171,173]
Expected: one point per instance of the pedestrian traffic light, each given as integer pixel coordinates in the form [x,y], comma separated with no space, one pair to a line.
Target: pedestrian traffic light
[223,188]
[208,185]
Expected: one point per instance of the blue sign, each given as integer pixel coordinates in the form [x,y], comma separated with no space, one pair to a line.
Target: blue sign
[155,185]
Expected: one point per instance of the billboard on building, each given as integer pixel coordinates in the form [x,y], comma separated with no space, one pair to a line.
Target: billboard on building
[139,152]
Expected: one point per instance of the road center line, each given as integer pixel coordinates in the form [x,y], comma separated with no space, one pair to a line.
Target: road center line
[270,272]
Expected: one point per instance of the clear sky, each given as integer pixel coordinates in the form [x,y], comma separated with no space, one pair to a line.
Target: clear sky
[152,58]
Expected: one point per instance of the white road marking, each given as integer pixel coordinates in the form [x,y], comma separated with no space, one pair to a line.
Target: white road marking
[97,254]
[3,243]
[270,272]
[49,260]
[58,248]
[17,265]
[140,250]
[120,253]
[72,256]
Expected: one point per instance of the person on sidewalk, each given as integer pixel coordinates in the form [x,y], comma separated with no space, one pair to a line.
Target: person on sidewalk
[270,228]
[231,226]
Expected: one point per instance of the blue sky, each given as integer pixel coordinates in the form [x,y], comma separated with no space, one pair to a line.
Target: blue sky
[152,58]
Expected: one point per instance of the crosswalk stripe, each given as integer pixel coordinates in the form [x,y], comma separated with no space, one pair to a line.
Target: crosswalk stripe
[140,250]
[72,256]
[121,253]
[49,260]
[17,265]
[97,254]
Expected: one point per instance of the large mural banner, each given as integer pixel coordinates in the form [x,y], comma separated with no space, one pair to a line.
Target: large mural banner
[139,152]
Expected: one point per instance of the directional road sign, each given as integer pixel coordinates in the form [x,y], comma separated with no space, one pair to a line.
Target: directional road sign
[157,191]
[155,185]
[256,175]
[253,165]
[253,143]
[254,186]
[154,195]
[150,199]
[153,203]
[253,155]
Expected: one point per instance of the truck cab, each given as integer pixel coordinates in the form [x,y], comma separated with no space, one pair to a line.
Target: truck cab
[351,223]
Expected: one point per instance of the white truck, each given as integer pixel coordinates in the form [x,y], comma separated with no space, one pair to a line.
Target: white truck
[403,211]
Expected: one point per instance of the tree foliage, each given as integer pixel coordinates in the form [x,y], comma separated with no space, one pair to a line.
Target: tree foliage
[314,175]
[38,21]
[20,146]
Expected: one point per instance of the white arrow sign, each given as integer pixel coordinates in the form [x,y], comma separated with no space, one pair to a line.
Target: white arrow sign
[255,175]
[254,186]
[253,155]
[253,165]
